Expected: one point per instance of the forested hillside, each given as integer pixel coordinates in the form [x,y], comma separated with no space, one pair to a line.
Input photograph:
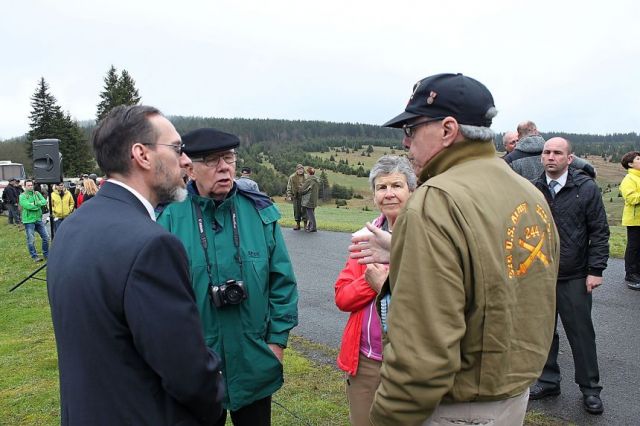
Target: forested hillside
[273,147]
[610,147]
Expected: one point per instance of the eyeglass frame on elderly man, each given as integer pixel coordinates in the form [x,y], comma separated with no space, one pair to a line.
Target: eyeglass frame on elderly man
[409,131]
[211,163]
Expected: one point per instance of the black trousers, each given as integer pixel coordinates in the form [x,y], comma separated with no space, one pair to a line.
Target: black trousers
[258,413]
[632,253]
[573,305]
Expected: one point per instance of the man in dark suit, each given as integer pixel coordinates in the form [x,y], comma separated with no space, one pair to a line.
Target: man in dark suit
[130,344]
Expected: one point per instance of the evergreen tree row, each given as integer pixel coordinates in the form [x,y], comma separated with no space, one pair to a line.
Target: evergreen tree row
[281,143]
[610,147]
[298,132]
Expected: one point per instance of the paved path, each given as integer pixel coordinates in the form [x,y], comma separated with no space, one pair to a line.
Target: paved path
[616,313]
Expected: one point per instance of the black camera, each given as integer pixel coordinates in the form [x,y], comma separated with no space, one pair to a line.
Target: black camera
[230,293]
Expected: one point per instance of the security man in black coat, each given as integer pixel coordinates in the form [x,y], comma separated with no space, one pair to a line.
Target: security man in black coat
[578,211]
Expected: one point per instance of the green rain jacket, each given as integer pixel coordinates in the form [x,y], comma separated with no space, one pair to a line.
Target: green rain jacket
[31,203]
[240,333]
[310,190]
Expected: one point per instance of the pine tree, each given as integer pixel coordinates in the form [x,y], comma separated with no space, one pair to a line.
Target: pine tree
[44,117]
[127,92]
[325,189]
[49,122]
[109,96]
[76,155]
[117,91]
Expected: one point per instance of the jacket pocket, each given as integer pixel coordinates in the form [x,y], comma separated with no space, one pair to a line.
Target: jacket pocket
[255,309]
[259,372]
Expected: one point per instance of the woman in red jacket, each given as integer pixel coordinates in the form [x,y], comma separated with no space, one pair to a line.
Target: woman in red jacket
[89,189]
[392,180]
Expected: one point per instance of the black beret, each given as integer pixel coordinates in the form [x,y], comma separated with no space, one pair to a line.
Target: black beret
[203,141]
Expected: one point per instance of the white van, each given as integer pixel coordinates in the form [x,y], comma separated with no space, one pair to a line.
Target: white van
[9,170]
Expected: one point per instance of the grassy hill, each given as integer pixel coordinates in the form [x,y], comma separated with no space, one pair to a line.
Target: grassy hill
[609,177]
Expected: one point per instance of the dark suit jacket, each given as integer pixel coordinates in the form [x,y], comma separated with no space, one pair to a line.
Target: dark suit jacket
[130,344]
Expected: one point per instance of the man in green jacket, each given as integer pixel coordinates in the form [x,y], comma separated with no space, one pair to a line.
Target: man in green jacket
[473,267]
[32,202]
[241,274]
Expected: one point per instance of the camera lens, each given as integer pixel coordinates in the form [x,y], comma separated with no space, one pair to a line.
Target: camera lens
[234,294]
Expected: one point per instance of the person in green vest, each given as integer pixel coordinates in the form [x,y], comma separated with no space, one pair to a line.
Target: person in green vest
[32,202]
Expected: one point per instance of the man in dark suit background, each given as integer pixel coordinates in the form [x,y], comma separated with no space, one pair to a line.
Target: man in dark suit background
[130,343]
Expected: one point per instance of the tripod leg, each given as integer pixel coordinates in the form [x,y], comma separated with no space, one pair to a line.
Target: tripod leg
[30,276]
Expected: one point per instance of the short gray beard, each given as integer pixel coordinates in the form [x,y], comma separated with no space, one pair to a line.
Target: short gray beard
[179,194]
[164,192]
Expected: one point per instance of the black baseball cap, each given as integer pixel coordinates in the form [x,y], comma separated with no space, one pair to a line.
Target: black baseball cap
[443,95]
[200,142]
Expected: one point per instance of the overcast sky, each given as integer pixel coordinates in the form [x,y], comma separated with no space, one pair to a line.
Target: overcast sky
[568,66]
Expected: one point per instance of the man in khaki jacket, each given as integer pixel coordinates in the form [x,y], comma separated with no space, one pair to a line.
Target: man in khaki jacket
[294,194]
[470,303]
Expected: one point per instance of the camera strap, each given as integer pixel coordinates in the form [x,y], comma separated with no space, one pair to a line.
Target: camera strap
[203,237]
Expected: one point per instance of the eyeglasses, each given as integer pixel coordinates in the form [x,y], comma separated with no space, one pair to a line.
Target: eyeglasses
[212,161]
[177,148]
[409,129]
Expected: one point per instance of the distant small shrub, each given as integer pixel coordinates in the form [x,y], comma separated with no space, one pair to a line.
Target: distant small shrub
[341,192]
[341,202]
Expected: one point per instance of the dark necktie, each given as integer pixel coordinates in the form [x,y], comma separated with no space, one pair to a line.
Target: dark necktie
[552,188]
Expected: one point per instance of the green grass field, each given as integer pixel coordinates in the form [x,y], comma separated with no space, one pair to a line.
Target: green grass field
[330,218]
[28,361]
[313,392]
[29,379]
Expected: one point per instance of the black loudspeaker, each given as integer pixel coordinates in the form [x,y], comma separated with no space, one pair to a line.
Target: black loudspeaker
[47,161]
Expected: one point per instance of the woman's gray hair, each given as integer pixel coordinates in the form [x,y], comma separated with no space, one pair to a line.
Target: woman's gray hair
[388,164]
[478,133]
